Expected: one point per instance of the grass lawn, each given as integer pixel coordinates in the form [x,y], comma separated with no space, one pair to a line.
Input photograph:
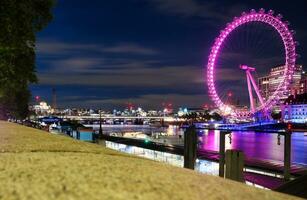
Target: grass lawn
[37,165]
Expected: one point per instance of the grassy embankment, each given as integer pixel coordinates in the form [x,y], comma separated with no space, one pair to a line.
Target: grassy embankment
[38,165]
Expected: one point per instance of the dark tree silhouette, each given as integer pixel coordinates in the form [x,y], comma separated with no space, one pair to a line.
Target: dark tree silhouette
[20,20]
[202,116]
[276,115]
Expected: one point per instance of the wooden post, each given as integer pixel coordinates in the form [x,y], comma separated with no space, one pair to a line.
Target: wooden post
[100,123]
[190,147]
[234,165]
[222,154]
[101,142]
[78,135]
[287,155]
[162,122]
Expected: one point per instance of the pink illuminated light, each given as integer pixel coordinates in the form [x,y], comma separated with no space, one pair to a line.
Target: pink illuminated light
[290,58]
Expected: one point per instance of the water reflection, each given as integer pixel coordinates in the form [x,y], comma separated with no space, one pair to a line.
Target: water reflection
[258,145]
[254,144]
[203,166]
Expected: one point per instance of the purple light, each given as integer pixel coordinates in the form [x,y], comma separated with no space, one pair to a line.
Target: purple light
[290,59]
[271,12]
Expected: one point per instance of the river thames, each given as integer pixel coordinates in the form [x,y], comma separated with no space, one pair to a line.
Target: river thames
[256,145]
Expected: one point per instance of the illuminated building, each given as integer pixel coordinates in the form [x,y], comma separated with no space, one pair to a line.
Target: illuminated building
[269,84]
[263,85]
[42,108]
[303,84]
[295,109]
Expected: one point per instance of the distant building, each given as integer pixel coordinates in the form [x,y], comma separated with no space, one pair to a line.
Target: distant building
[263,85]
[295,109]
[269,84]
[152,113]
[185,111]
[42,108]
[303,84]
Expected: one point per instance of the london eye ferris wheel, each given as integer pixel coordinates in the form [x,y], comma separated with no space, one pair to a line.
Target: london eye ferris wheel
[281,28]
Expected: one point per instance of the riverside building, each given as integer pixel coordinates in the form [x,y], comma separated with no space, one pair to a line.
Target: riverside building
[269,84]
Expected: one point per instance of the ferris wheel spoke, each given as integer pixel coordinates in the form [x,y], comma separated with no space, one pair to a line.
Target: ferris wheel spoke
[250,92]
[255,88]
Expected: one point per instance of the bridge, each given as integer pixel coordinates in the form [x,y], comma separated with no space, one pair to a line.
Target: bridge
[247,125]
[242,126]
[105,117]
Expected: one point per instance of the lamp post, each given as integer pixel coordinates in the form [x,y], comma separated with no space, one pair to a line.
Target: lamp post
[100,125]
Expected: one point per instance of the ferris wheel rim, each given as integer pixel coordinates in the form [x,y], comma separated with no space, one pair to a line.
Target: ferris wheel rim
[290,57]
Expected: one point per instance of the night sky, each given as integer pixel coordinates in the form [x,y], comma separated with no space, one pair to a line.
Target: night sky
[104,54]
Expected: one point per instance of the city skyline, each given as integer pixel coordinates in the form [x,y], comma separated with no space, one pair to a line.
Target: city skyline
[146,52]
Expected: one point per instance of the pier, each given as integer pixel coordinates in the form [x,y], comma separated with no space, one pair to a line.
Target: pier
[255,169]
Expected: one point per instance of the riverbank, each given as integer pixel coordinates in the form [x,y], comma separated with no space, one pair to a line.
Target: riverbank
[38,165]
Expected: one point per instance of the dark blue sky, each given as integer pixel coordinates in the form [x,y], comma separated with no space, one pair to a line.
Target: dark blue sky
[106,53]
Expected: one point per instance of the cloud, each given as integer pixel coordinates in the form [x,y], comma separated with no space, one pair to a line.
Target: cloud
[229,74]
[80,67]
[51,47]
[86,66]
[182,7]
[54,47]
[193,8]
[153,100]
[75,98]
[262,63]
[130,48]
[74,65]
[168,76]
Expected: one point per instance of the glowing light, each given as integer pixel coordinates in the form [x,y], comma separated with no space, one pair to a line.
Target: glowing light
[290,58]
[226,110]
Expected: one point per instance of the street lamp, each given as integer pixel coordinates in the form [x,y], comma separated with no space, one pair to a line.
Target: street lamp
[100,125]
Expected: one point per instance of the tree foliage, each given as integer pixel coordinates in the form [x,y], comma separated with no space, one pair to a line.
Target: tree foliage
[276,115]
[20,20]
[202,116]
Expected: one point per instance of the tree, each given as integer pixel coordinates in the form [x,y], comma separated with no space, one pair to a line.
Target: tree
[276,115]
[20,20]
[217,117]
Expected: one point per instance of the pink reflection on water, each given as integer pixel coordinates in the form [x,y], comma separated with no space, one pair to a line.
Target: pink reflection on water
[257,145]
